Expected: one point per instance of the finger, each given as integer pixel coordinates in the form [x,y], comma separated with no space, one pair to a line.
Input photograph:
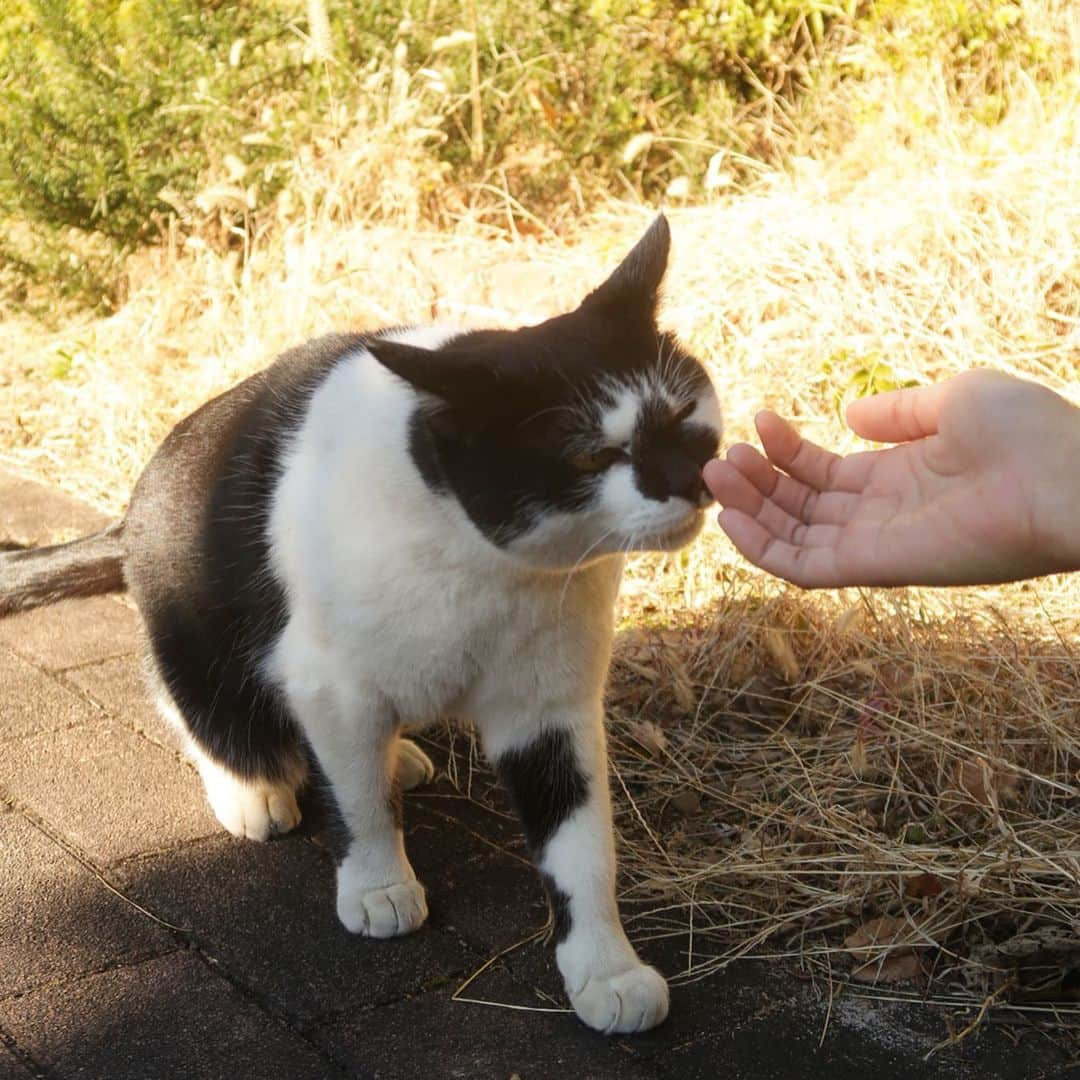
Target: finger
[899,415]
[806,462]
[735,492]
[729,487]
[757,468]
[791,495]
[740,494]
[733,489]
[808,567]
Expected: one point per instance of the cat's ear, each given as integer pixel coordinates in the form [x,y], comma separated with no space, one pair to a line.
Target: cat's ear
[461,379]
[635,285]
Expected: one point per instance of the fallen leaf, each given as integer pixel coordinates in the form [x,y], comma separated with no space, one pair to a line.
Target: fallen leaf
[893,969]
[919,885]
[875,933]
[973,777]
[687,803]
[896,678]
[650,736]
[987,786]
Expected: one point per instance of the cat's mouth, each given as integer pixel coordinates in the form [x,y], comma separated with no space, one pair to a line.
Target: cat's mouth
[682,533]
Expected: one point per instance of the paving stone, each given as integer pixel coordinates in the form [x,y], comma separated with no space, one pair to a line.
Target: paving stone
[11,1068]
[117,686]
[58,920]
[109,791]
[168,1017]
[73,632]
[732,1023]
[469,1041]
[733,1019]
[32,514]
[489,894]
[33,701]
[267,913]
[767,1028]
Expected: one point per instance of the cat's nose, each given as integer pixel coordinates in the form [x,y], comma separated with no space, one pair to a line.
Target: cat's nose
[685,480]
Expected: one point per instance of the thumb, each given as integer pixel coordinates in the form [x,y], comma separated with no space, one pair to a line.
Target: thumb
[899,415]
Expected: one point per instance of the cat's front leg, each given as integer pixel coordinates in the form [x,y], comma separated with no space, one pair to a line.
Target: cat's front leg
[355,738]
[555,767]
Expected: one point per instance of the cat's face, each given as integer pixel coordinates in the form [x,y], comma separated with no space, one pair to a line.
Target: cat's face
[577,438]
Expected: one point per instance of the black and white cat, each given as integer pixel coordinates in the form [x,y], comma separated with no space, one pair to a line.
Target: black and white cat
[379,530]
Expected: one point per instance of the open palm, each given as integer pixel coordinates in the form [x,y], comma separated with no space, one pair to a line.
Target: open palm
[969,496]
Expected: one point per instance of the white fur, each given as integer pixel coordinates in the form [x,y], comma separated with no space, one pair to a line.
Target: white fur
[401,612]
[618,420]
[253,811]
[414,767]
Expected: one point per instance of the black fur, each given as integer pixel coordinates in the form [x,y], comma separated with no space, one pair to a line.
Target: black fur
[546,787]
[559,902]
[669,456]
[545,784]
[197,560]
[506,415]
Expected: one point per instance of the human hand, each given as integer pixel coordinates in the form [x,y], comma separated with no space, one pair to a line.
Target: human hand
[984,487]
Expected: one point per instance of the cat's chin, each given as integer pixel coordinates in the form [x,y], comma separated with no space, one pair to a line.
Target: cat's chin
[681,535]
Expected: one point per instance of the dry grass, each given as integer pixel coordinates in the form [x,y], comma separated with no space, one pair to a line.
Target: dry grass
[788,767]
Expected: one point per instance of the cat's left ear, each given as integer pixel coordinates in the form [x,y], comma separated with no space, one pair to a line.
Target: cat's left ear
[459,378]
[634,287]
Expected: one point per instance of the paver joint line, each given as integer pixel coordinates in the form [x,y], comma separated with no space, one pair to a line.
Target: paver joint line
[87,864]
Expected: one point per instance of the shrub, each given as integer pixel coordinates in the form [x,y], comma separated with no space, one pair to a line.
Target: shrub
[119,118]
[113,113]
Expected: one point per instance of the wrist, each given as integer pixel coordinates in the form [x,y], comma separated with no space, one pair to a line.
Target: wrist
[1057,509]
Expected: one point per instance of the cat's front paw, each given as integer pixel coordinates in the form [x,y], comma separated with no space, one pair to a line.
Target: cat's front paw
[634,1000]
[383,913]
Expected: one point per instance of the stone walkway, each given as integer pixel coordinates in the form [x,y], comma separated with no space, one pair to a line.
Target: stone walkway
[137,940]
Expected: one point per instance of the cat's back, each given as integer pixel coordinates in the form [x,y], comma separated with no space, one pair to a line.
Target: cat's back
[198,513]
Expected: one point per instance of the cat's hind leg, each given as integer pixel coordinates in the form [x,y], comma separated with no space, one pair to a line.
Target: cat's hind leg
[252,808]
[256,806]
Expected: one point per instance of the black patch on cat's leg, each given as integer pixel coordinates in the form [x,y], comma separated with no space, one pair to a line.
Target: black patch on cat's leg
[546,787]
[545,784]
[559,903]
[328,823]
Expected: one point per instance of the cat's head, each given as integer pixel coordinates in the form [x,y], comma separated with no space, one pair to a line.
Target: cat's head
[576,438]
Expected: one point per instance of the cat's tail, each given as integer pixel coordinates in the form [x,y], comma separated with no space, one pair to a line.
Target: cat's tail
[91,565]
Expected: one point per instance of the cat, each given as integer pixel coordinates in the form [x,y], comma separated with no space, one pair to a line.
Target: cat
[382,529]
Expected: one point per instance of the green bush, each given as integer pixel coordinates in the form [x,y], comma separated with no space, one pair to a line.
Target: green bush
[112,113]
[116,115]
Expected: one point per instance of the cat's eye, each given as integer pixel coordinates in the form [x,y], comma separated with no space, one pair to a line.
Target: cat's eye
[599,460]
